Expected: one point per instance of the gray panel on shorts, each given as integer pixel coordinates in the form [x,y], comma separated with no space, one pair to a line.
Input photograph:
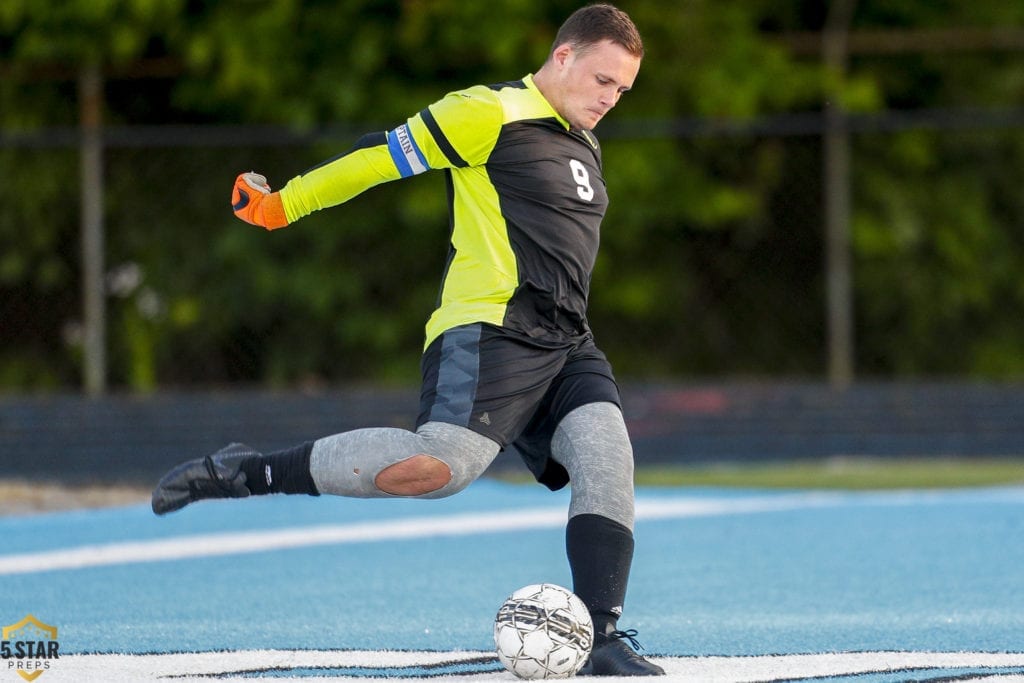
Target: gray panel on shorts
[457,376]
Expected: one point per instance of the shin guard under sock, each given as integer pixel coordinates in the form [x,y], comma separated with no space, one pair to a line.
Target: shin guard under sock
[285,471]
[600,553]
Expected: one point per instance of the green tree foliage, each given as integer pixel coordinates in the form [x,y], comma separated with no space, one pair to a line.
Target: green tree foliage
[712,250]
[939,228]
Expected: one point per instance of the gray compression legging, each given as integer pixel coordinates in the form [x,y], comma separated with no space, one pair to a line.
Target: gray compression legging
[347,464]
[590,442]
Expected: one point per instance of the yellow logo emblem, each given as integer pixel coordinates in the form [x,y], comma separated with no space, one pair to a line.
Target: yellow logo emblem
[28,647]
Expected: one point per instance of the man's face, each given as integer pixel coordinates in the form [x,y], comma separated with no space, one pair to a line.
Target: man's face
[590,82]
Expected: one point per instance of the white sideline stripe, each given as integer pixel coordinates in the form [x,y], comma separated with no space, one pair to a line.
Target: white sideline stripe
[200,666]
[238,542]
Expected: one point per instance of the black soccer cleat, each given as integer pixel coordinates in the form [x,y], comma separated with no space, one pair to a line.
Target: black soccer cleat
[611,656]
[215,476]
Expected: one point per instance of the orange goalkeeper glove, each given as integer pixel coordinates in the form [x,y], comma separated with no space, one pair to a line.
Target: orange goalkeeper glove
[253,202]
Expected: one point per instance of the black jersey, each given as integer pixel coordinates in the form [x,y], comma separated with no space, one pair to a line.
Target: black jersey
[526,200]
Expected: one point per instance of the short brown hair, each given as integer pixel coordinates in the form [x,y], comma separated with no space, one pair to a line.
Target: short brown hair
[594,23]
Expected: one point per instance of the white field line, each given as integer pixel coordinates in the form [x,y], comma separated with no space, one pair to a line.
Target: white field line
[238,542]
[332,664]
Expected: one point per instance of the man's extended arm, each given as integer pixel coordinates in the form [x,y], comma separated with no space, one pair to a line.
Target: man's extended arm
[456,131]
[333,182]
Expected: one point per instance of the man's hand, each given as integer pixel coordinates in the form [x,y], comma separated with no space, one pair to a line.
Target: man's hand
[253,202]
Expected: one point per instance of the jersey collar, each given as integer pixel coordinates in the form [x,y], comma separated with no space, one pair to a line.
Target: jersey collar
[528,80]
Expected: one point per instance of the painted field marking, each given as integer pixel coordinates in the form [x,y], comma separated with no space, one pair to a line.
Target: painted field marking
[463,524]
[450,667]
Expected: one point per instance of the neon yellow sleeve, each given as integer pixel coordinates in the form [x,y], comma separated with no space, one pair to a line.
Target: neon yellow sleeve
[337,181]
[459,130]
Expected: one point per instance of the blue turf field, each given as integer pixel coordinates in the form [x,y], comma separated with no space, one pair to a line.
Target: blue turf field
[721,580]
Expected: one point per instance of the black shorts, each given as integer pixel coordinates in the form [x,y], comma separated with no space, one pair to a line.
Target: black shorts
[513,389]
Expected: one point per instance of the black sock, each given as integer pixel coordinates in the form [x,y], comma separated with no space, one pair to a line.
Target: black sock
[600,554]
[284,471]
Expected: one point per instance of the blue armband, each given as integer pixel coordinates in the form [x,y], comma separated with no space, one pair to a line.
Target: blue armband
[408,158]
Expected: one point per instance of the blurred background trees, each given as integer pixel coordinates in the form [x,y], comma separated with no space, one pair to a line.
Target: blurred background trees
[713,257]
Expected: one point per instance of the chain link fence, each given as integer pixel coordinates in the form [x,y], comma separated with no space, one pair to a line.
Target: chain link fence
[736,287]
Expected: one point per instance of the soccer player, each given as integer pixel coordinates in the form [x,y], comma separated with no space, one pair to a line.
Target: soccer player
[509,358]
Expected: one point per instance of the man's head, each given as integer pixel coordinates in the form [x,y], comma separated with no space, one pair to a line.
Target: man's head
[594,59]
[595,23]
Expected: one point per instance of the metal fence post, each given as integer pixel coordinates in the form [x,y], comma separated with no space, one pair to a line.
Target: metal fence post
[90,95]
[836,162]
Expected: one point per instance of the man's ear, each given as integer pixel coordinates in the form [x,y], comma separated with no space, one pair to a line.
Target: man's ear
[560,55]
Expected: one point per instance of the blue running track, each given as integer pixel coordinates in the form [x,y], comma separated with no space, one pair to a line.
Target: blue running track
[879,587]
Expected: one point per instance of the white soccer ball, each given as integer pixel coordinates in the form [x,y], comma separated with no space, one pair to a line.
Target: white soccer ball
[543,631]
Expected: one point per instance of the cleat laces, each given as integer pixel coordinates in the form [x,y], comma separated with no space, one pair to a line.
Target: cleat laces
[615,654]
[628,635]
[215,476]
[214,484]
